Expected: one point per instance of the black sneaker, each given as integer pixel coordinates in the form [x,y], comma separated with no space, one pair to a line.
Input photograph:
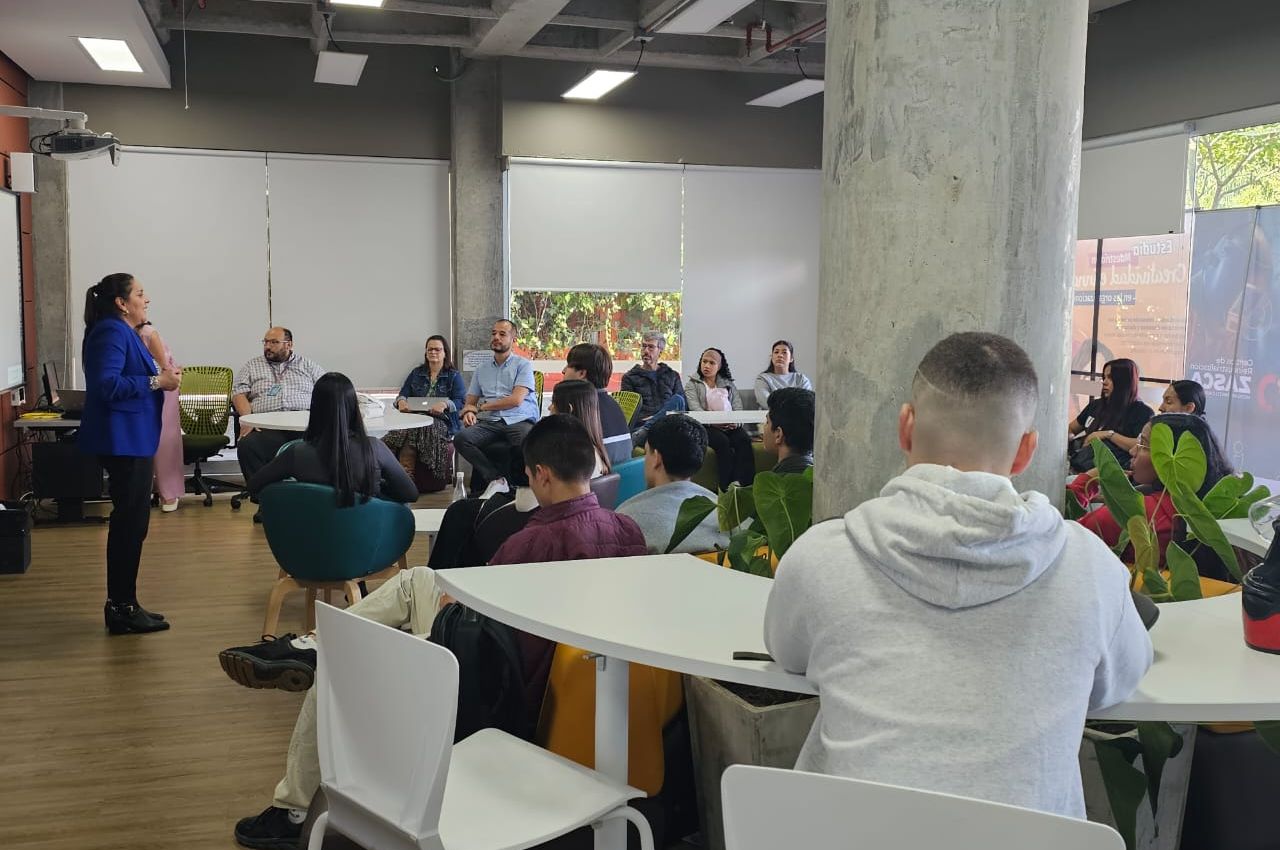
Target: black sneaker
[271,830]
[272,663]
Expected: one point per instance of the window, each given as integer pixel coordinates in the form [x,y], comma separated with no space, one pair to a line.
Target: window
[1236,168]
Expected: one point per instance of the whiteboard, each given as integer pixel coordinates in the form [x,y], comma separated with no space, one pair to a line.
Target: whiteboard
[11,361]
[602,227]
[1133,185]
[191,227]
[752,239]
[360,260]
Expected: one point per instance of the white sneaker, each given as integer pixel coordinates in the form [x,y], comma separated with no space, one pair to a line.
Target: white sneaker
[169,507]
[495,487]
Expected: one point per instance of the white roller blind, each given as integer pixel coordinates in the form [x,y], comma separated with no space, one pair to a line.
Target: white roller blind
[191,226]
[360,260]
[1134,184]
[751,266]
[602,227]
[11,359]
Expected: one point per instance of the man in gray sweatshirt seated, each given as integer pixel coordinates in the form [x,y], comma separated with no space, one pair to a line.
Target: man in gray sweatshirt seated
[959,631]
[673,451]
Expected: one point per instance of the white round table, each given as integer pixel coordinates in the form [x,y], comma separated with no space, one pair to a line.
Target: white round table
[296,420]
[728,417]
[1241,534]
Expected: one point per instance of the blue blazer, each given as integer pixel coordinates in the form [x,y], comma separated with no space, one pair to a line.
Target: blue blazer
[121,412]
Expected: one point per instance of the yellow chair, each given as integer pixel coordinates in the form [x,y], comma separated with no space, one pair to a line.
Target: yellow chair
[628,401]
[567,724]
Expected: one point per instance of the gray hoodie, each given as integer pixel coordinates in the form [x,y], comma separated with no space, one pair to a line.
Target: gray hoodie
[957,632]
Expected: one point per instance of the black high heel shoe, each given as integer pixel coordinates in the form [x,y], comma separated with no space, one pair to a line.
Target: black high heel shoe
[130,618]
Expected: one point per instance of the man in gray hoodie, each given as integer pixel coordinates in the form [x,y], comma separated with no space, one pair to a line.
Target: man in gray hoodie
[958,631]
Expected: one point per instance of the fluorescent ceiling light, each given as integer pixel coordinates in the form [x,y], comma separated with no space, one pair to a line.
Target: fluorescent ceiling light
[703,16]
[339,69]
[372,4]
[597,84]
[798,90]
[111,54]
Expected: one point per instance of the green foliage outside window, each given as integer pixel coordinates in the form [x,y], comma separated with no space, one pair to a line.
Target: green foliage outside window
[1237,168]
[557,321]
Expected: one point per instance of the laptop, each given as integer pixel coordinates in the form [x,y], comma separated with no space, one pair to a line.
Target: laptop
[71,402]
[420,404]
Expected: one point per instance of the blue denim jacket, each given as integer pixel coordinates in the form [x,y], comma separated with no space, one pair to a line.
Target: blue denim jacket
[448,385]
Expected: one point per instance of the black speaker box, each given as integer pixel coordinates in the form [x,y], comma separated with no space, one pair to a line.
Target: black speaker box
[15,538]
[61,471]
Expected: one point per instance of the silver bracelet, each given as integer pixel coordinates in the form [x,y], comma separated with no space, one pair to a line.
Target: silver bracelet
[154,382]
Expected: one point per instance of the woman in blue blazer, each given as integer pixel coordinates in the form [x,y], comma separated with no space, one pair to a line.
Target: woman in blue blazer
[435,378]
[124,392]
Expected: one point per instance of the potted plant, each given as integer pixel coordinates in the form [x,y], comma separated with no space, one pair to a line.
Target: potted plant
[1134,760]
[740,724]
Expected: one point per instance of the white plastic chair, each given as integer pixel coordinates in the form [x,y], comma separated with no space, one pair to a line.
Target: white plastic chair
[386,703]
[766,808]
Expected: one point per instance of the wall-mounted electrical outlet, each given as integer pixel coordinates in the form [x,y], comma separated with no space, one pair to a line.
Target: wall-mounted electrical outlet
[18,397]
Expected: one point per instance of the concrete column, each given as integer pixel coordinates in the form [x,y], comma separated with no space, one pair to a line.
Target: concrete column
[950,169]
[49,239]
[478,296]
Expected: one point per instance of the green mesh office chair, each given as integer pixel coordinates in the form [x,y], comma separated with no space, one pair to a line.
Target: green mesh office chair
[322,547]
[538,384]
[204,406]
[628,401]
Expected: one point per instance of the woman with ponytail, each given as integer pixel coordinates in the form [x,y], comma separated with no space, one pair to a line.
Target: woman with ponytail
[124,393]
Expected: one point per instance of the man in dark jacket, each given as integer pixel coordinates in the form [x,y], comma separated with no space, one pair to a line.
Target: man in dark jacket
[659,386]
[569,524]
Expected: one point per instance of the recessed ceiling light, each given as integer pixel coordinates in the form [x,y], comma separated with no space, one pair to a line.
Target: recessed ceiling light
[372,4]
[798,90]
[111,54]
[339,69]
[702,16]
[597,84]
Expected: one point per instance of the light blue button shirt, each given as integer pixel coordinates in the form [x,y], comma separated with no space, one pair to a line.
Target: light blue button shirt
[493,381]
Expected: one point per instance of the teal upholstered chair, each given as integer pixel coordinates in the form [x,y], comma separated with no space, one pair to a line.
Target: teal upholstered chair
[631,473]
[321,547]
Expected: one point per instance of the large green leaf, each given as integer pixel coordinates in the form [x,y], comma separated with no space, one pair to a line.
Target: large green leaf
[760,567]
[1269,732]
[1159,744]
[692,512]
[1184,575]
[1146,548]
[784,504]
[735,507]
[1184,467]
[1223,497]
[1154,585]
[1117,491]
[743,546]
[1071,508]
[1126,785]
[1205,527]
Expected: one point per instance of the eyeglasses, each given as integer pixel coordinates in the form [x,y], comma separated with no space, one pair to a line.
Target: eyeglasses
[1142,444]
[274,341]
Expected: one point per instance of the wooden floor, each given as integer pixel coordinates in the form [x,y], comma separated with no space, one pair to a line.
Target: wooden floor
[140,741]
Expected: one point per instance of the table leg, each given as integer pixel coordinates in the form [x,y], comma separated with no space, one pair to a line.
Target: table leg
[612,695]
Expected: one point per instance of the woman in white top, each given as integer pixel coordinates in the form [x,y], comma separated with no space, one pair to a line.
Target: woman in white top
[579,400]
[781,373]
[713,389]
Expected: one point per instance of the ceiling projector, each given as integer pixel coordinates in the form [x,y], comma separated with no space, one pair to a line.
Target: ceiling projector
[80,144]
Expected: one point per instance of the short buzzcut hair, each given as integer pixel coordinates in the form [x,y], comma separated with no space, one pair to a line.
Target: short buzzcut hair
[793,410]
[515,329]
[655,336]
[561,443]
[976,392]
[593,360]
[682,442]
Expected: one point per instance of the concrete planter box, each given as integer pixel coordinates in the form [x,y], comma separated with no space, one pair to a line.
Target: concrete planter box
[725,730]
[1150,833]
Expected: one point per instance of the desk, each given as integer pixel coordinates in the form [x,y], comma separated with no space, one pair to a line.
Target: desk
[625,610]
[1241,534]
[729,417]
[296,420]
[59,471]
[427,521]
[58,424]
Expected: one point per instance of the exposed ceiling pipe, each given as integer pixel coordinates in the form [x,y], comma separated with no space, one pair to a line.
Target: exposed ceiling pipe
[771,46]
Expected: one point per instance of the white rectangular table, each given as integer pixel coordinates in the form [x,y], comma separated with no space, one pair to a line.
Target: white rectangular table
[1241,534]
[427,521]
[680,613]
[729,417]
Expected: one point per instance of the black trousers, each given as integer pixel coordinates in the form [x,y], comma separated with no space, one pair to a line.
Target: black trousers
[486,446]
[129,483]
[735,461]
[259,448]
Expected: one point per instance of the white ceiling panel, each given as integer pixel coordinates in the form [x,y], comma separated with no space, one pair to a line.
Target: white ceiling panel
[41,36]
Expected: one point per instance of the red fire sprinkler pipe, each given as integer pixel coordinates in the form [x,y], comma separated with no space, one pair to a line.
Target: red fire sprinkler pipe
[771,46]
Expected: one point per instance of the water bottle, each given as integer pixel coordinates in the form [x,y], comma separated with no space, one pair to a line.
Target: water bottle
[459,489]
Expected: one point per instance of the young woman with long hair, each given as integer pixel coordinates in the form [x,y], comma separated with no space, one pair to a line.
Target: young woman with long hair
[335,450]
[579,399]
[712,388]
[1114,419]
[781,372]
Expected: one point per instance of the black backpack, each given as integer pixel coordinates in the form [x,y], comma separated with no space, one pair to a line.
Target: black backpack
[490,672]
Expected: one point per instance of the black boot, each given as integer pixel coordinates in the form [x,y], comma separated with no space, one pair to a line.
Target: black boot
[152,614]
[128,618]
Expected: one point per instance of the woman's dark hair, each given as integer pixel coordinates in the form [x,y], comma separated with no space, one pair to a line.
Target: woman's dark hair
[100,300]
[790,347]
[448,354]
[579,399]
[1124,392]
[1190,392]
[1216,464]
[593,360]
[724,366]
[336,429]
